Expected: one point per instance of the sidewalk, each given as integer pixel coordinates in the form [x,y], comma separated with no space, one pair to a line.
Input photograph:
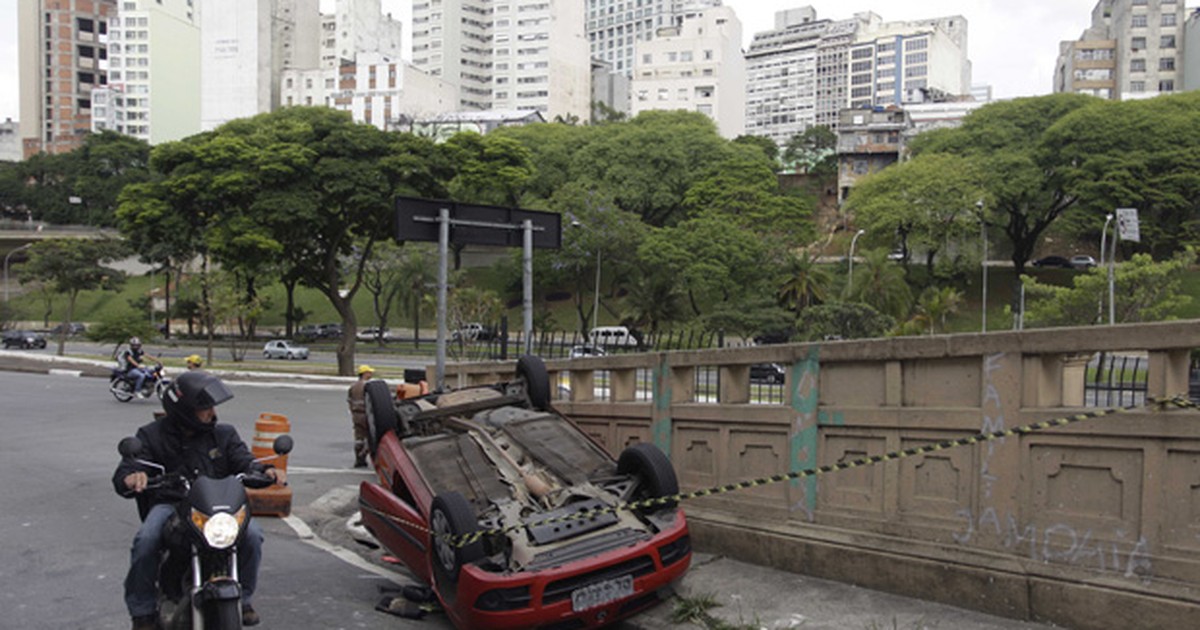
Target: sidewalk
[754,597]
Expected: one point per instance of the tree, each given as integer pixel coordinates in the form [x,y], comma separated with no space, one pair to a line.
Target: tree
[841,320]
[925,203]
[69,266]
[1027,182]
[763,143]
[936,304]
[383,278]
[83,186]
[880,284]
[1145,291]
[118,327]
[813,150]
[654,300]
[805,284]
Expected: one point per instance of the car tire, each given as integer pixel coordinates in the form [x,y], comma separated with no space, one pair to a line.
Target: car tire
[381,412]
[291,357]
[656,475]
[451,515]
[532,370]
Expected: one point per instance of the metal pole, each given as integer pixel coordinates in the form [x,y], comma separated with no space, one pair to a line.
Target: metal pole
[1112,259]
[442,287]
[6,257]
[1103,237]
[596,306]
[152,297]
[850,270]
[983,229]
[527,280]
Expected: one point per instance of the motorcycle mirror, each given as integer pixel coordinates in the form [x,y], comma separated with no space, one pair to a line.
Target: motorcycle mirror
[283,445]
[129,447]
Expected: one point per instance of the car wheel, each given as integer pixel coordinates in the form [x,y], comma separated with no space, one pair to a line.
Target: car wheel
[290,356]
[121,389]
[656,476]
[266,355]
[381,412]
[451,516]
[537,381]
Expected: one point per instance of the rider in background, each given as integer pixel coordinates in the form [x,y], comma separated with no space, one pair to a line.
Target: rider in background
[134,361]
[187,439]
[194,362]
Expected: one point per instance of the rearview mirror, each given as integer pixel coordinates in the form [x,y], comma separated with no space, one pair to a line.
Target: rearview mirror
[129,447]
[283,445]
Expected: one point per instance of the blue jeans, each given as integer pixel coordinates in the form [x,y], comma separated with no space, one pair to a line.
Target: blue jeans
[139,378]
[141,596]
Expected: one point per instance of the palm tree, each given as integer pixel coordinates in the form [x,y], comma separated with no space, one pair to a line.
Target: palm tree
[807,284]
[937,304]
[655,299]
[880,283]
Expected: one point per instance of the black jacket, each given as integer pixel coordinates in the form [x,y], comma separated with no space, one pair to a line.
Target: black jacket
[217,453]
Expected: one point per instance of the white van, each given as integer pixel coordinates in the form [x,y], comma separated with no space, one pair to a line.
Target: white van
[609,336]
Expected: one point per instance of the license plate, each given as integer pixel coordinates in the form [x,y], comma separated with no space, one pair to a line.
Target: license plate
[601,593]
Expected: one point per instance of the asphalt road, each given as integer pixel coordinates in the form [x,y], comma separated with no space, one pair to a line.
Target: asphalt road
[67,534]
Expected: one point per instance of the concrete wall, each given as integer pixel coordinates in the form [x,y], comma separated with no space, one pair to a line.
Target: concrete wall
[1093,525]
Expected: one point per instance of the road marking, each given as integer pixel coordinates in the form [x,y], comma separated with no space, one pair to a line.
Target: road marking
[345,555]
[313,470]
[75,373]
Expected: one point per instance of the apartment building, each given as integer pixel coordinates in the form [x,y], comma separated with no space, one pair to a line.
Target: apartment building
[63,55]
[615,26]
[245,47]
[358,26]
[610,91]
[1191,51]
[697,66]
[153,62]
[1132,49]
[507,54]
[10,141]
[806,70]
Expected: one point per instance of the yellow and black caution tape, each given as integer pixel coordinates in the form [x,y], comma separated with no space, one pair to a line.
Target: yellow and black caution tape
[473,537]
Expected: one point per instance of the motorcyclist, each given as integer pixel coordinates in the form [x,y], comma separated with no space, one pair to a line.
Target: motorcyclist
[186,440]
[135,361]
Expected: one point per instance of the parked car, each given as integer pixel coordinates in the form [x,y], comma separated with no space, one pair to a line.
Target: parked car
[586,351]
[319,331]
[283,349]
[23,339]
[1052,261]
[73,328]
[771,373]
[473,331]
[542,498]
[373,333]
[1083,262]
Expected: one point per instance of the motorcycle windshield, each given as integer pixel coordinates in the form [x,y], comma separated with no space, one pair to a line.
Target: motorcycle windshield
[213,394]
[217,495]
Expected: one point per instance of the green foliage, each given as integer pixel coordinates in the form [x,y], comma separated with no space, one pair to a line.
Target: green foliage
[806,283]
[880,284]
[813,150]
[118,326]
[492,169]
[842,320]
[69,266]
[749,319]
[936,305]
[763,143]
[1145,291]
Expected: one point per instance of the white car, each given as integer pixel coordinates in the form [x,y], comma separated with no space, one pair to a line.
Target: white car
[281,349]
[370,334]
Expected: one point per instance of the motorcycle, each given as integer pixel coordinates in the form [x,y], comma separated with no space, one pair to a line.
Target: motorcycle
[211,516]
[121,383]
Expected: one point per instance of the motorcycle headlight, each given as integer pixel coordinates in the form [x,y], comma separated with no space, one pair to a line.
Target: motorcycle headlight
[221,529]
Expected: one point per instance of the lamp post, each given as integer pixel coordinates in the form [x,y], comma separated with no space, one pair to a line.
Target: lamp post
[850,270]
[984,261]
[6,257]
[1112,297]
[1103,238]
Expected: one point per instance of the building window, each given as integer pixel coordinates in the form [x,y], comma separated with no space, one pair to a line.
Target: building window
[1137,65]
[1167,41]
[916,44]
[1137,86]
[1168,19]
[1137,43]
[646,58]
[1138,20]
[1166,63]
[1166,85]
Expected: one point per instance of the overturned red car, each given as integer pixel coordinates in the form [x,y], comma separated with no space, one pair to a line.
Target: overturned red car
[554,548]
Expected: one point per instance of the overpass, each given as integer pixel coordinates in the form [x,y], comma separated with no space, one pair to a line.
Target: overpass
[1091,525]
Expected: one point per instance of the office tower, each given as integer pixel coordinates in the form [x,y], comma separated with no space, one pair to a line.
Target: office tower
[615,26]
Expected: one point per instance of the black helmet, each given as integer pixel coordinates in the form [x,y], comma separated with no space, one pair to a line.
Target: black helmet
[135,343]
[193,391]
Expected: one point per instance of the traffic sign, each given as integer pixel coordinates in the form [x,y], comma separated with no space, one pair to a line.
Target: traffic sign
[1127,225]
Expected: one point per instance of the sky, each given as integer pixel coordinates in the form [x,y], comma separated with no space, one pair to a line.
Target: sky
[1013,44]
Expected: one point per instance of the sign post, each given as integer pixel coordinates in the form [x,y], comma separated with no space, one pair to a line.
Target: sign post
[1127,230]
[449,222]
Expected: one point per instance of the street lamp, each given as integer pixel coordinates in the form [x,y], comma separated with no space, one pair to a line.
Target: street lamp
[6,257]
[596,303]
[1103,237]
[983,263]
[850,270]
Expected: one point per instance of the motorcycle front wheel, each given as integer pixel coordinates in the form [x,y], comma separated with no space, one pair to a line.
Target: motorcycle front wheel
[224,615]
[161,386]
[121,389]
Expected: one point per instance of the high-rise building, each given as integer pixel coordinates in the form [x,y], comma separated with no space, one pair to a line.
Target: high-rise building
[245,47]
[1191,52]
[1133,49]
[806,70]
[153,62]
[610,91]
[696,66]
[361,27]
[63,55]
[10,141]
[501,54]
[615,26]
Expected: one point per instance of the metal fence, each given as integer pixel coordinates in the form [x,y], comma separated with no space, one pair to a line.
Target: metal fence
[1115,380]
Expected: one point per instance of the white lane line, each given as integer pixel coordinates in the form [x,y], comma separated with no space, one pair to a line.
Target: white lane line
[345,555]
[313,470]
[75,373]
